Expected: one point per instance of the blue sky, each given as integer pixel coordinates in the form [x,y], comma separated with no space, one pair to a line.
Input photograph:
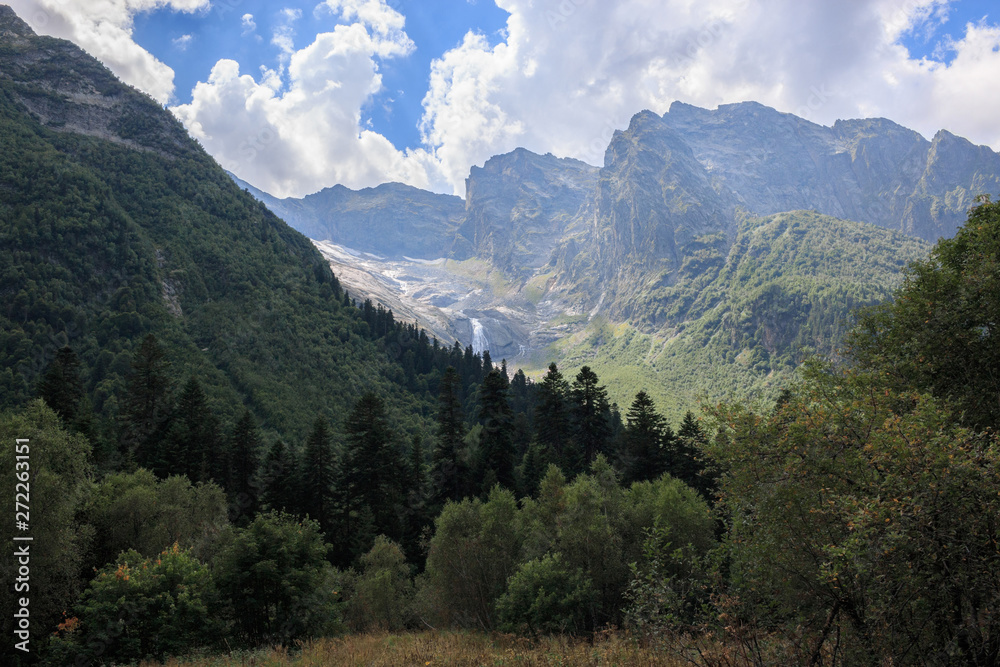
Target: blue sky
[298,95]
[435,26]
[931,37]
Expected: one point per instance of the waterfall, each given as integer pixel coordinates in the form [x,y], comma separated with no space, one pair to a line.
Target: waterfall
[480,343]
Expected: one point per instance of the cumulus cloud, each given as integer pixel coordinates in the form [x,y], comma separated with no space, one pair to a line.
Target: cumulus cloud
[182,42]
[568,73]
[296,132]
[104,29]
[565,75]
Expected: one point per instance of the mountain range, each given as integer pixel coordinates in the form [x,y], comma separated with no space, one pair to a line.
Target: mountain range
[554,259]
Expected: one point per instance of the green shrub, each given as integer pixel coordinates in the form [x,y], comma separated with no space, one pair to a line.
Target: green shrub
[383,592]
[275,574]
[142,608]
[545,596]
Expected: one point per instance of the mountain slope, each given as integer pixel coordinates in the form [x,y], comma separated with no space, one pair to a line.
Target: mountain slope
[519,205]
[786,286]
[563,254]
[115,224]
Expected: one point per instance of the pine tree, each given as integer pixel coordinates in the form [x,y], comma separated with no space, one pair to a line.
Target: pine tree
[373,474]
[192,446]
[532,468]
[552,428]
[449,474]
[280,480]
[684,460]
[641,455]
[496,440]
[319,476]
[61,387]
[242,486]
[416,515]
[591,412]
[146,405]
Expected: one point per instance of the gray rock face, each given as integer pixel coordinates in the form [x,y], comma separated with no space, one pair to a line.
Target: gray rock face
[557,242]
[671,183]
[869,170]
[518,207]
[68,91]
[11,25]
[653,199]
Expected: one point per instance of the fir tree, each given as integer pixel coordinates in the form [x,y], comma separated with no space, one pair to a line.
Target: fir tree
[373,474]
[591,414]
[242,487]
[146,405]
[318,476]
[61,387]
[192,446]
[552,427]
[416,515]
[449,473]
[280,480]
[641,455]
[496,440]
[684,460]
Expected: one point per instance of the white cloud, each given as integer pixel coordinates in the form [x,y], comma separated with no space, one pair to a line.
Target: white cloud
[182,42]
[284,32]
[565,76]
[249,25]
[297,136]
[568,73]
[104,29]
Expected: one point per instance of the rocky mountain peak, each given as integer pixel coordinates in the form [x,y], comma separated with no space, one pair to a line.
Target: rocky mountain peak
[11,24]
[519,204]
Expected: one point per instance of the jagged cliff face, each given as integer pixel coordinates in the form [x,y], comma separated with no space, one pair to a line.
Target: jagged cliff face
[870,170]
[654,200]
[520,205]
[675,187]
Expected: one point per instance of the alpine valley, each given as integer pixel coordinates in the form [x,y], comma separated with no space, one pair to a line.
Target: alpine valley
[228,443]
[710,254]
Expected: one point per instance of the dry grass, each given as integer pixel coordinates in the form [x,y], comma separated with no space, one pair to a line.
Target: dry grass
[446,648]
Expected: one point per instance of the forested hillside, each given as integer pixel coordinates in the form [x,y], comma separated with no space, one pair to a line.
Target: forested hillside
[737,320]
[116,225]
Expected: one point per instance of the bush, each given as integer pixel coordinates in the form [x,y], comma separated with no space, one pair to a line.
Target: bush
[138,511]
[475,549]
[546,597]
[275,574]
[383,593]
[142,608]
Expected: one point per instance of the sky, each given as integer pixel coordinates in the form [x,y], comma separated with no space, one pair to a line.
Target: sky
[299,95]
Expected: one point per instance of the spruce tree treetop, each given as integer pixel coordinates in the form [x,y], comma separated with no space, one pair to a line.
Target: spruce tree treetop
[496,440]
[641,455]
[318,475]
